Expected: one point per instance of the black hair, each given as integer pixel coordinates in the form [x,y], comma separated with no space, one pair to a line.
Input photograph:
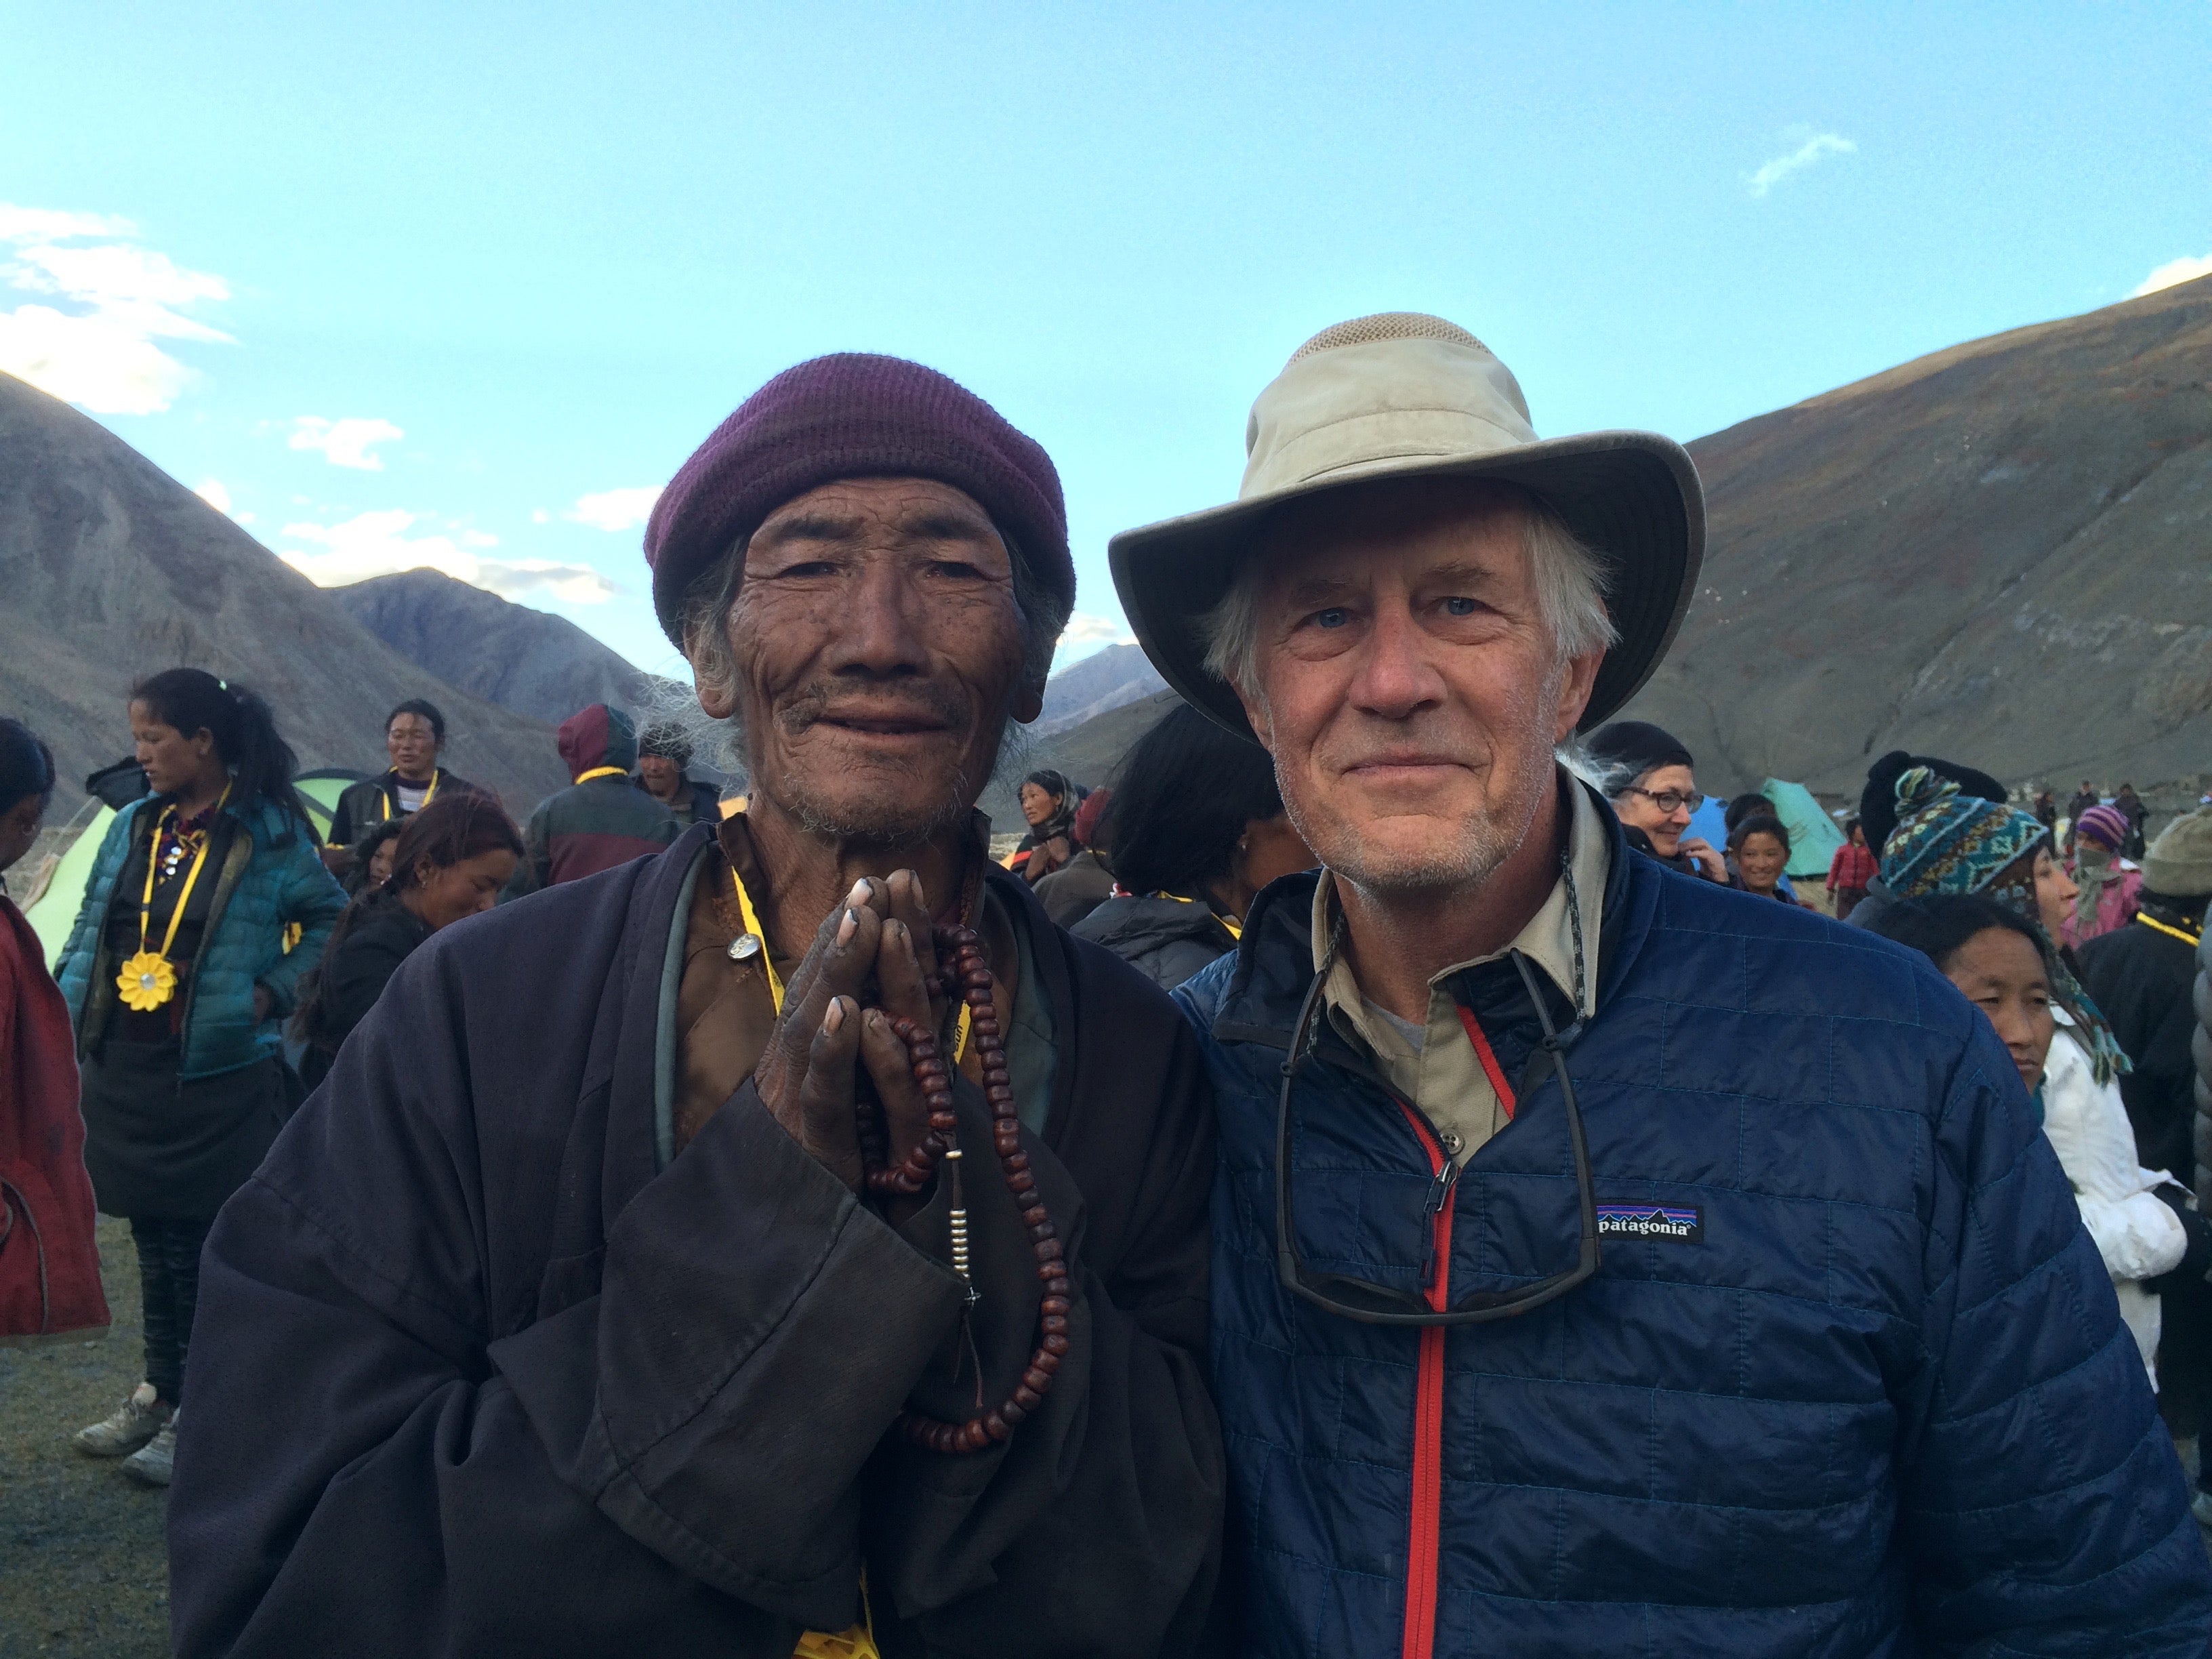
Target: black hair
[261,763]
[1185,793]
[1850,822]
[428,711]
[1758,824]
[1938,924]
[452,830]
[364,849]
[1053,783]
[26,765]
[1740,807]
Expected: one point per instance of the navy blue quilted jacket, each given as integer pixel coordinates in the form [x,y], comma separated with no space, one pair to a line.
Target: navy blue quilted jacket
[1850,1379]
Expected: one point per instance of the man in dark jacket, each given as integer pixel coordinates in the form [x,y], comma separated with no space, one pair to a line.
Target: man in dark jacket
[414,735]
[663,751]
[562,1320]
[599,820]
[1604,1261]
[2141,977]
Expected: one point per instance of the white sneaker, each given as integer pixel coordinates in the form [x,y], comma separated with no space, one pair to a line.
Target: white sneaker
[151,1463]
[134,1423]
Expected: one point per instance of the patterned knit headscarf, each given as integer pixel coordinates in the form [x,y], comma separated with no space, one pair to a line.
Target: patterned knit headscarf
[1946,841]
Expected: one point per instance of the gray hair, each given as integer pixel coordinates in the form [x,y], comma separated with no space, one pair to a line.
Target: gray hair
[702,620]
[1569,597]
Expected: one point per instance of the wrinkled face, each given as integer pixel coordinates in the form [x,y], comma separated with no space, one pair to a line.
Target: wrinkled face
[442,898]
[1407,685]
[413,746]
[878,650]
[2002,974]
[1038,804]
[1761,858]
[661,774]
[19,828]
[1658,804]
[173,761]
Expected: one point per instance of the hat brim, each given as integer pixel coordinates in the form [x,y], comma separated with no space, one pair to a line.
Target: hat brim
[1633,497]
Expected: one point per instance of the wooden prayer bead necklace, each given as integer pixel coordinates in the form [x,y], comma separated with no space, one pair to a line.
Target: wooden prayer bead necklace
[973,976]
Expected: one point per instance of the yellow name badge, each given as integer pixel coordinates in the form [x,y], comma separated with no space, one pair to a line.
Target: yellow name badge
[146,982]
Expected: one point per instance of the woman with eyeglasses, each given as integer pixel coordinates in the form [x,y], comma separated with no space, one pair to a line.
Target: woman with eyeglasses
[1648,776]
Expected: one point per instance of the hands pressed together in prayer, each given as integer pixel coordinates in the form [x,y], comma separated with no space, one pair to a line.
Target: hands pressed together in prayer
[873,962]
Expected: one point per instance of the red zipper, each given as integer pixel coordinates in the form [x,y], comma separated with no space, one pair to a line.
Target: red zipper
[1429,1406]
[1422,1545]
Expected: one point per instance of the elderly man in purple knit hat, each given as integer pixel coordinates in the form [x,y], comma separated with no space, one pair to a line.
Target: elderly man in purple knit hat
[792,1243]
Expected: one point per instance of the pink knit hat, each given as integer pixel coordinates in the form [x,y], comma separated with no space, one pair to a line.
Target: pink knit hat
[854,415]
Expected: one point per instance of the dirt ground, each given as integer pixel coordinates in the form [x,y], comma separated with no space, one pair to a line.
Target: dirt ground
[82,1570]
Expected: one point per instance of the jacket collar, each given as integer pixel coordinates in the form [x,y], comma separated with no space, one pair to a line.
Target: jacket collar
[1274,958]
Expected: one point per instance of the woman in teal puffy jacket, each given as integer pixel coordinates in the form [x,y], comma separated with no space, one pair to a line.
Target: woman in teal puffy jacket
[207,903]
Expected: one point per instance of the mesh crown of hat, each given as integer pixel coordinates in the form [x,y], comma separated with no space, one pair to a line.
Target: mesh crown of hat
[1387,326]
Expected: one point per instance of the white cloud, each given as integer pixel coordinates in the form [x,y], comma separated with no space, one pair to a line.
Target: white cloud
[1812,149]
[2173,273]
[614,509]
[350,442]
[1095,630]
[212,492]
[94,347]
[377,544]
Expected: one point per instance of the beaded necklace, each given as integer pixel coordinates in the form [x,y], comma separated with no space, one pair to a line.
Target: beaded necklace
[979,1024]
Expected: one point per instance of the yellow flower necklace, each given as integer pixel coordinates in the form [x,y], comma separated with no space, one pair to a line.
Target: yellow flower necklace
[149,978]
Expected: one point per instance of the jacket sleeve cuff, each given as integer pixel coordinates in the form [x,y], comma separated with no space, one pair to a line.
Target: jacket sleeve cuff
[759,1329]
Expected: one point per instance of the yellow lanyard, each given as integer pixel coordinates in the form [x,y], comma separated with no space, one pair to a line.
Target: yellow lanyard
[602,772]
[153,861]
[751,917]
[428,795]
[1235,928]
[2171,932]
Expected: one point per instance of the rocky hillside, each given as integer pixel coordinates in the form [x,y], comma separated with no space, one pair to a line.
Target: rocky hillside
[542,667]
[1101,682]
[111,569]
[2002,552]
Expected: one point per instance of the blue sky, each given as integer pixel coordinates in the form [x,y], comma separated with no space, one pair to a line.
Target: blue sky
[463,285]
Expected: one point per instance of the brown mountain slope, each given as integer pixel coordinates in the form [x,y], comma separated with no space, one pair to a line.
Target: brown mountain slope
[2001,552]
[542,666]
[110,569]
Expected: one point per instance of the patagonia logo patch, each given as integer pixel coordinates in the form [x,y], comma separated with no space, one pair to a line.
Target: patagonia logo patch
[1684,1223]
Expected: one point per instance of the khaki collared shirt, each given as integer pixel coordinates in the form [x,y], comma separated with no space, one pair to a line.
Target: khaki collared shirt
[1441,1073]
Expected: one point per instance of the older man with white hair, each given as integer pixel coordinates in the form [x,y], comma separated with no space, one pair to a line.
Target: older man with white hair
[1603,1262]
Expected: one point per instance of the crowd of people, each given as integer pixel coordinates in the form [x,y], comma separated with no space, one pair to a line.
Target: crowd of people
[1367,1177]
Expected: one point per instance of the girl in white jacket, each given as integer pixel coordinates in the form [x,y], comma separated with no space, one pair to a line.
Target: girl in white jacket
[1950,849]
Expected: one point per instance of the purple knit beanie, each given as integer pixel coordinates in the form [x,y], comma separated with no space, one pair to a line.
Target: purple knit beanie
[854,415]
[2104,825]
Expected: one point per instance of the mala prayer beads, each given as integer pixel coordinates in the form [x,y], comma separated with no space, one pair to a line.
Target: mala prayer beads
[972,977]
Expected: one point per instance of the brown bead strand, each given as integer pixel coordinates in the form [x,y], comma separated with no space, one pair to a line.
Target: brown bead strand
[973,976]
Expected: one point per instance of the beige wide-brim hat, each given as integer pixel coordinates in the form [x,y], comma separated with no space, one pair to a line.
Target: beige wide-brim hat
[1403,395]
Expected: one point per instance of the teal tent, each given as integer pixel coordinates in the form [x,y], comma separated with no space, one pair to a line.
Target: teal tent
[1813,836]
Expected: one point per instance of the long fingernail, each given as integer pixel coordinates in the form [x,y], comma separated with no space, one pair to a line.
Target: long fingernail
[859,893]
[834,1020]
[848,927]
